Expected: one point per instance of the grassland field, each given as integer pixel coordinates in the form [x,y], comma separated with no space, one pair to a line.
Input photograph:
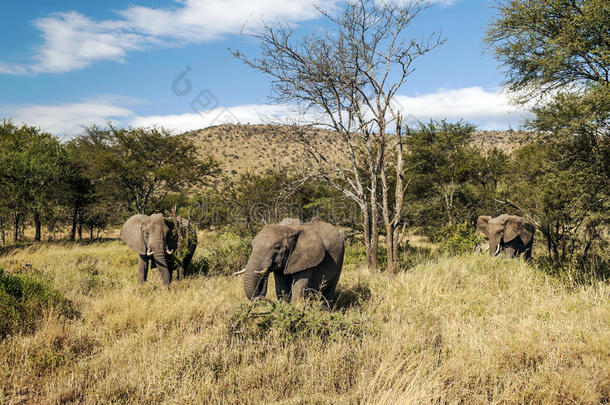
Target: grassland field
[470,329]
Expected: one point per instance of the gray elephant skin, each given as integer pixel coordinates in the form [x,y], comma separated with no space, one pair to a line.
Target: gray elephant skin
[302,257]
[509,234]
[155,240]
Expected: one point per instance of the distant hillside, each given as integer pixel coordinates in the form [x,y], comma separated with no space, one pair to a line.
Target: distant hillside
[261,148]
[503,140]
[264,148]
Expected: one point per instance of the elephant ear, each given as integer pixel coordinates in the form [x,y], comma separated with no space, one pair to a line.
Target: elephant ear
[132,233]
[308,252]
[483,223]
[516,226]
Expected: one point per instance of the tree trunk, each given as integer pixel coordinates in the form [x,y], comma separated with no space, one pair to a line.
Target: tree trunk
[91,232]
[74,221]
[374,173]
[38,225]
[80,226]
[16,228]
[2,235]
[366,224]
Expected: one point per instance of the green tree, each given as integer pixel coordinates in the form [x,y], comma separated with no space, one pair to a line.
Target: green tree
[552,44]
[31,163]
[140,166]
[560,50]
[452,181]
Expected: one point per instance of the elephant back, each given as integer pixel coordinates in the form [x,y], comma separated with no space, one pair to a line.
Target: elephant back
[331,236]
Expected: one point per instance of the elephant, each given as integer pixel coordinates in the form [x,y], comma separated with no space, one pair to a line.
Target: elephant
[302,257]
[509,233]
[291,221]
[154,239]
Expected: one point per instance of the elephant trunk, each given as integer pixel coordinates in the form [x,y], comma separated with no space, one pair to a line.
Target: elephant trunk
[255,279]
[159,250]
[494,248]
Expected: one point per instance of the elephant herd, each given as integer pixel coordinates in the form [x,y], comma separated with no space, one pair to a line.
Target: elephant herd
[303,257]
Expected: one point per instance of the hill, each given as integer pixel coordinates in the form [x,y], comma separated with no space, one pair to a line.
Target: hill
[263,148]
[468,329]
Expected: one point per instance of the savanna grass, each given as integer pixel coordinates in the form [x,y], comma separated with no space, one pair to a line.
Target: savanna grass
[466,329]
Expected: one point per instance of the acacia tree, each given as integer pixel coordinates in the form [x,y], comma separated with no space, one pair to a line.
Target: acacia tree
[31,165]
[140,166]
[347,79]
[557,52]
[550,45]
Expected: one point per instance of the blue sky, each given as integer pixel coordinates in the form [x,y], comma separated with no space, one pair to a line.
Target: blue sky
[66,64]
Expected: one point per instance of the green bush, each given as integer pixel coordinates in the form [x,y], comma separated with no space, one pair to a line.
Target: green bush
[24,301]
[355,253]
[224,254]
[282,319]
[410,256]
[457,239]
[583,270]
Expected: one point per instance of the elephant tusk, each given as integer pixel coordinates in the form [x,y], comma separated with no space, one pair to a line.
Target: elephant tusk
[169,252]
[149,253]
[261,272]
[237,273]
[497,250]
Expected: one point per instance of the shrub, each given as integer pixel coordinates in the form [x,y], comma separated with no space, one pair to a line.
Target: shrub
[282,319]
[457,239]
[24,301]
[354,252]
[224,254]
[410,256]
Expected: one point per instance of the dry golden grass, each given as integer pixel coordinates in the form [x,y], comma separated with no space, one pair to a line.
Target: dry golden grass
[469,329]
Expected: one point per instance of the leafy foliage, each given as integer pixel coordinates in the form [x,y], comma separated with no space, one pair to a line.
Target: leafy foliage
[280,319]
[24,301]
[225,254]
[550,44]
[141,166]
[560,49]
[31,163]
[458,238]
[451,179]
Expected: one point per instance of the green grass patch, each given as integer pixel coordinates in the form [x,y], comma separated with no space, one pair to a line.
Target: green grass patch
[287,321]
[25,300]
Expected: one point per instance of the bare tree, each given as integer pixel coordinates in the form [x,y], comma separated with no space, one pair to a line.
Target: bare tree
[347,79]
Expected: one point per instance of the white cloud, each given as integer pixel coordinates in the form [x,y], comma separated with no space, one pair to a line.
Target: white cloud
[404,2]
[67,119]
[74,41]
[489,110]
[243,114]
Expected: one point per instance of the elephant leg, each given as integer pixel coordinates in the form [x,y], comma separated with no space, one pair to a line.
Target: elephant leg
[329,292]
[330,278]
[142,269]
[186,262]
[283,284]
[300,284]
[528,252]
[166,275]
[509,251]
